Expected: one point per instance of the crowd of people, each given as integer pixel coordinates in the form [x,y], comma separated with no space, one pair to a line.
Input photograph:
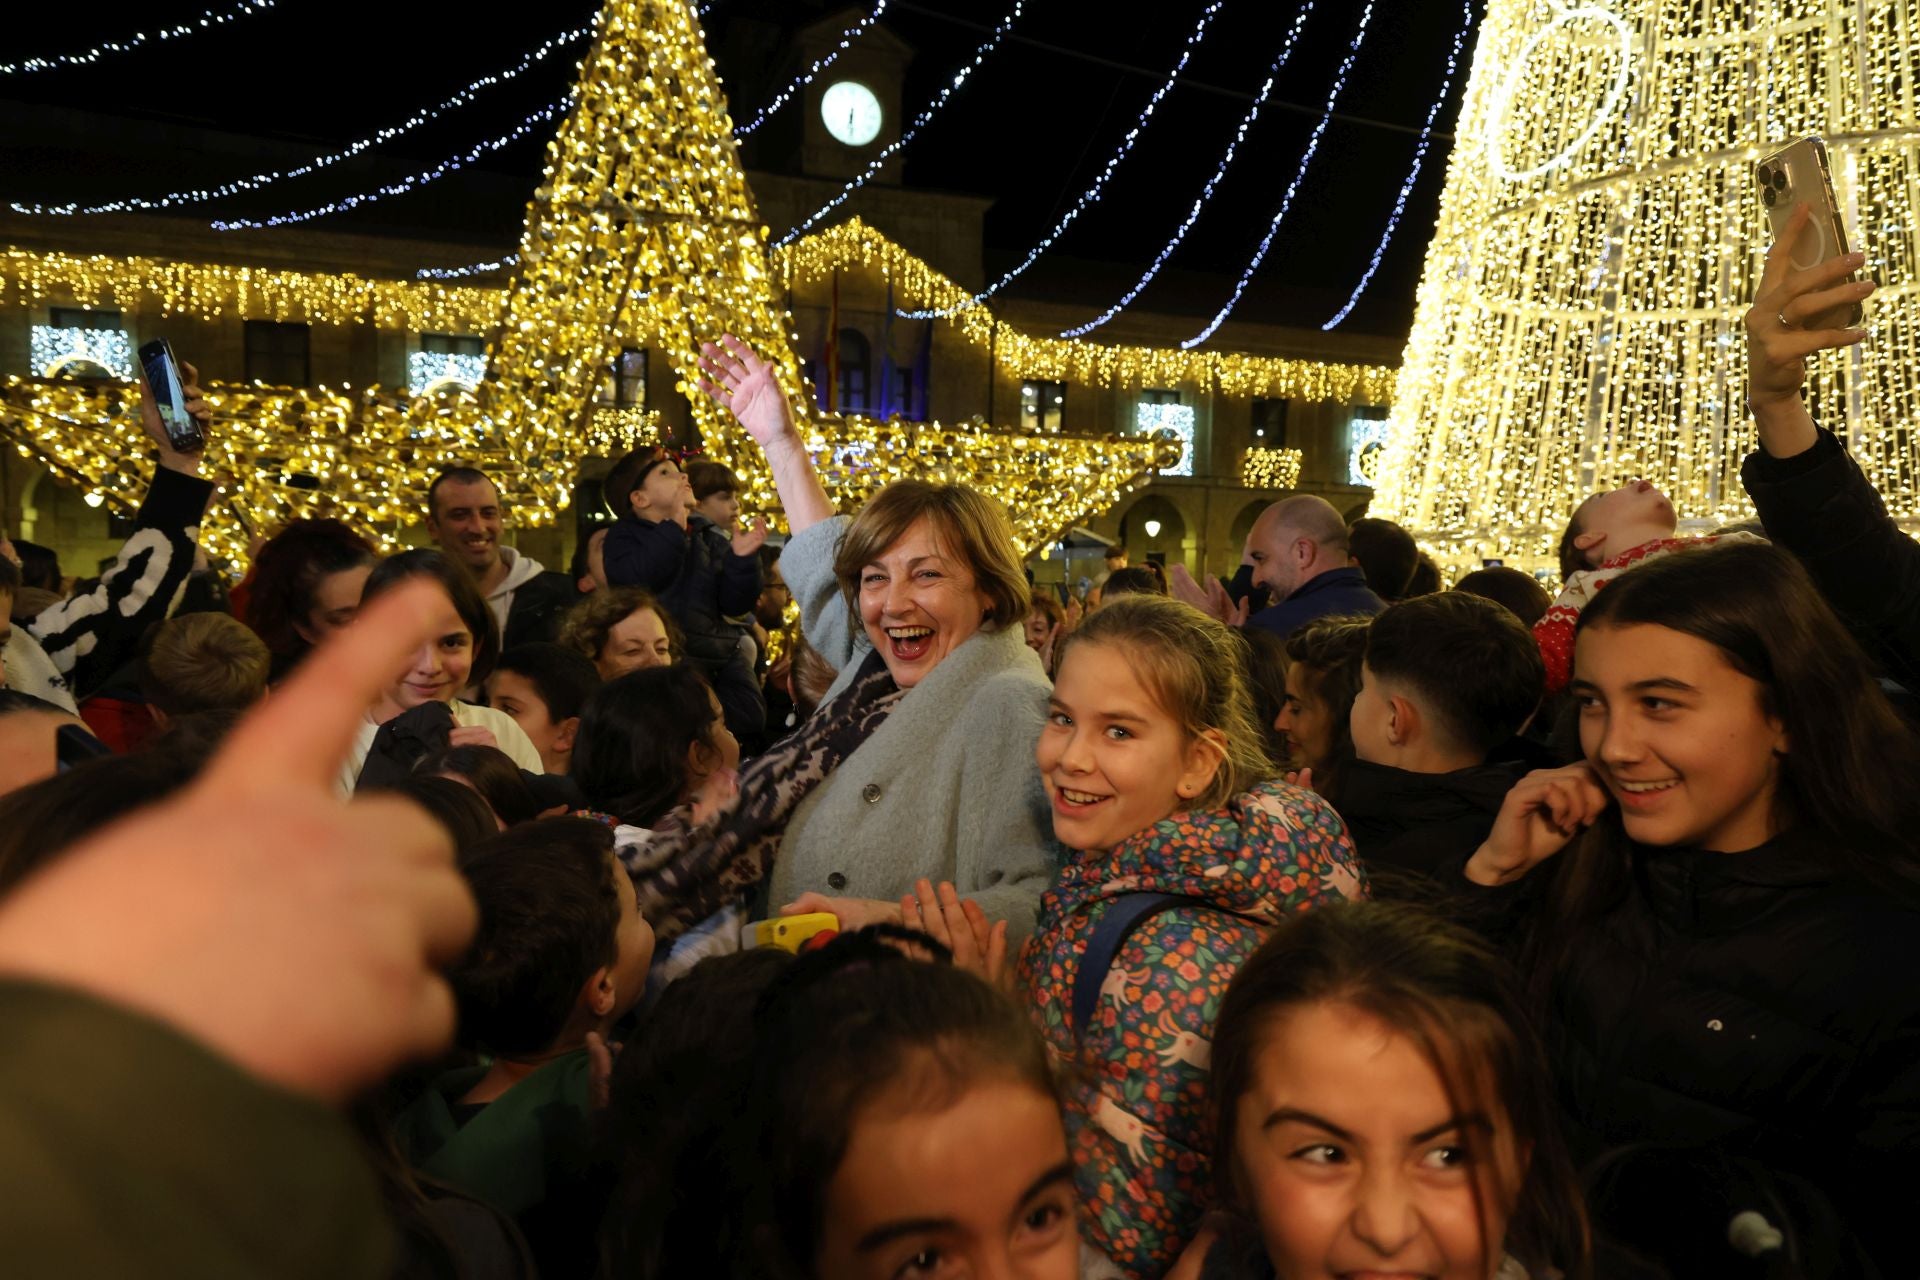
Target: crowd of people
[851,908]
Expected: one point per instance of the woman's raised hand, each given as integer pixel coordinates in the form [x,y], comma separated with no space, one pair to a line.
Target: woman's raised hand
[744,385]
[1541,815]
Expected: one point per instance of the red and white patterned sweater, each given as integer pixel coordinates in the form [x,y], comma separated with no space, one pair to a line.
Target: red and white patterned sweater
[1554,632]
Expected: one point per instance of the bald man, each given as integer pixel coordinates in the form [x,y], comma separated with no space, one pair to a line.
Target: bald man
[1298,550]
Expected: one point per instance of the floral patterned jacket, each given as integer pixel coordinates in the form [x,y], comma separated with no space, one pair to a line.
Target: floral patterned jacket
[1137,1109]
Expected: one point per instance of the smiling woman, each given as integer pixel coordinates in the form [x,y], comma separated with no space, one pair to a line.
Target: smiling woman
[1727,950]
[919,763]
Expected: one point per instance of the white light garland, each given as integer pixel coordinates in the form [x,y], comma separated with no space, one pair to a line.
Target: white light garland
[52,350]
[543,116]
[805,78]
[1366,447]
[1413,174]
[211,18]
[893,148]
[471,269]
[1516,73]
[1173,422]
[1293,188]
[1091,195]
[1206,192]
[200,195]
[429,371]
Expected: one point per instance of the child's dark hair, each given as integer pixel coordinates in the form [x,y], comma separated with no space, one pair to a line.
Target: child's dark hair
[454,805]
[39,566]
[1521,593]
[424,562]
[564,678]
[1133,580]
[492,773]
[1475,670]
[1571,558]
[1329,651]
[40,821]
[1387,553]
[1440,986]
[1266,662]
[676,1088]
[549,919]
[630,756]
[708,478]
[842,1028]
[286,571]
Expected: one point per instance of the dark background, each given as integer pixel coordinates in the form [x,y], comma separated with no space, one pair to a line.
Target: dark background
[1032,128]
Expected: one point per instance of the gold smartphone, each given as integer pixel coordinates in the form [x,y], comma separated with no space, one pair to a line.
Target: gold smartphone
[1795,175]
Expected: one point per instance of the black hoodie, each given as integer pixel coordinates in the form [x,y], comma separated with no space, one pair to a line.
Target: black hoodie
[1422,823]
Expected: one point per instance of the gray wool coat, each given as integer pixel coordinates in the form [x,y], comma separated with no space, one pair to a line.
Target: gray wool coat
[946,788]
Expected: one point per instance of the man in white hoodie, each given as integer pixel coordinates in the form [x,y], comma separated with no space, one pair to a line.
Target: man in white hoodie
[464,520]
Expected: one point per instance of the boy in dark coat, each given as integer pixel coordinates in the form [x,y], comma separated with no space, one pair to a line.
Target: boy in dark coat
[700,575]
[1447,678]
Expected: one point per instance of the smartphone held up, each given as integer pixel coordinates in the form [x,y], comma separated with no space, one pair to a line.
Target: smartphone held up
[161,372]
[1798,175]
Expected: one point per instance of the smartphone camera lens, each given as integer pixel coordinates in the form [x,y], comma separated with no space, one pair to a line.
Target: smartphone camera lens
[1767,197]
[1779,179]
[1765,175]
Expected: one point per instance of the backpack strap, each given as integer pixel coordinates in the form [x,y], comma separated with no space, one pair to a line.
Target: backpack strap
[1124,914]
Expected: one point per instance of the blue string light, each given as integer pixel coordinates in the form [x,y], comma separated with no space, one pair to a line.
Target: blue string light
[409,183]
[1293,188]
[1206,193]
[893,148]
[1091,195]
[820,64]
[210,18]
[256,181]
[1413,174]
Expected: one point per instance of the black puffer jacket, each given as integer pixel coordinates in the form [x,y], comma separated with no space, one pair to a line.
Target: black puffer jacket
[1761,1004]
[1425,824]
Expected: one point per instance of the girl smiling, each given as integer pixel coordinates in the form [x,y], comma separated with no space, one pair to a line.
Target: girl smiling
[1726,953]
[1158,782]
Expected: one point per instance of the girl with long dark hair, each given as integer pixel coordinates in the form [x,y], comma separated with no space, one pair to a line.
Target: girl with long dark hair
[1730,929]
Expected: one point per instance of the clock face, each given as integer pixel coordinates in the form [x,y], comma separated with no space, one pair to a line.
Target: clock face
[851,113]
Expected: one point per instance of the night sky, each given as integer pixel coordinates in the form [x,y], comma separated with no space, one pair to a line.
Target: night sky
[1032,128]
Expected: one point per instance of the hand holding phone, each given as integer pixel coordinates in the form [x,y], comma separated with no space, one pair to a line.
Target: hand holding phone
[172,407]
[1795,176]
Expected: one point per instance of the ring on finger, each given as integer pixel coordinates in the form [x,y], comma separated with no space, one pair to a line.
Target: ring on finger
[1781,316]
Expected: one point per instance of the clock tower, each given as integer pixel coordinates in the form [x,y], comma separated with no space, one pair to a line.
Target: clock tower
[852,108]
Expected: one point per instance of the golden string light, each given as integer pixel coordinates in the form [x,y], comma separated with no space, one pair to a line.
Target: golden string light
[854,244]
[642,232]
[1270,468]
[208,291]
[1599,240]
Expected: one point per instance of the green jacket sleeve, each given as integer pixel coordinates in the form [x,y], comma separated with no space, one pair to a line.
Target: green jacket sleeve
[128,1150]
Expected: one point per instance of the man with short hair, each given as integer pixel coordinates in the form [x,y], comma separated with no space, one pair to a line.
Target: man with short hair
[464,519]
[1298,549]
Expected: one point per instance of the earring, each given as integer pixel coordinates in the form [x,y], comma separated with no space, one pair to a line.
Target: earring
[1184,790]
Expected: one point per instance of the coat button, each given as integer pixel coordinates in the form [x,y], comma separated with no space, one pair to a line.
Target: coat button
[871,793]
[836,881]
